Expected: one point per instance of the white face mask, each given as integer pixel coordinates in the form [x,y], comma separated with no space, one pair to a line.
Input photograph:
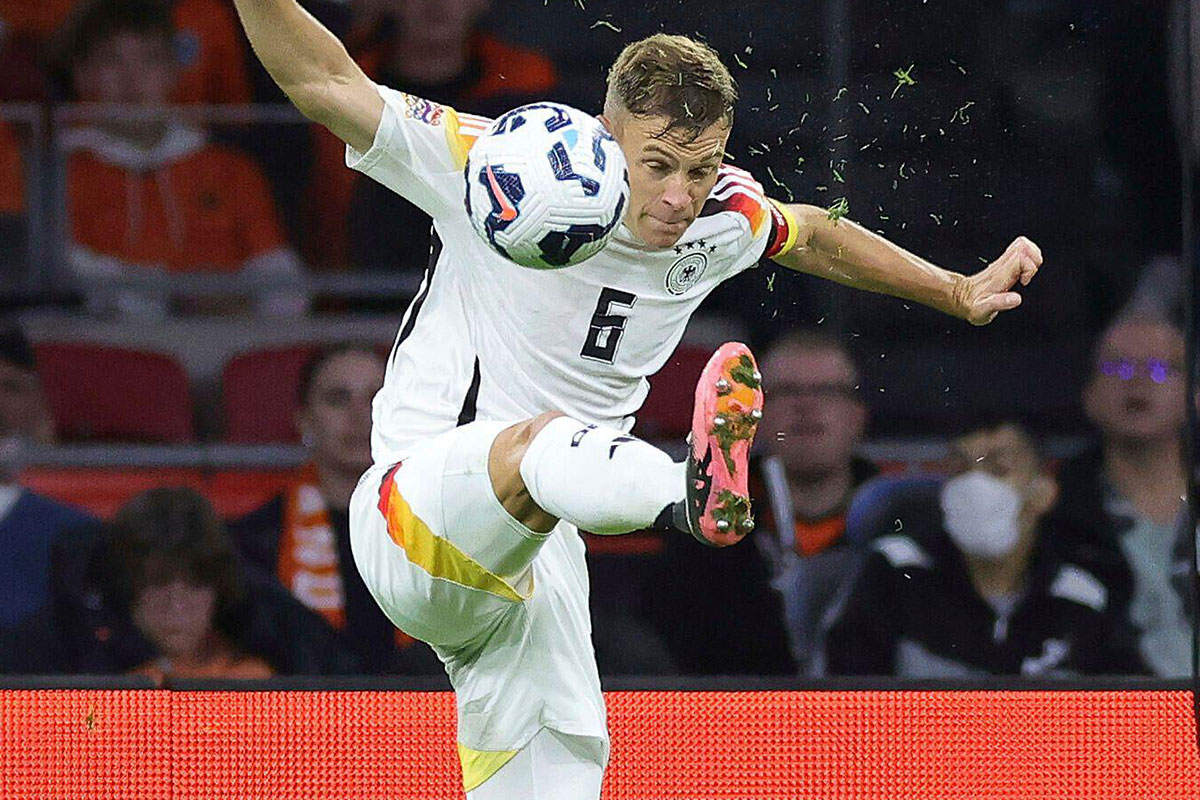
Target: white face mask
[981,513]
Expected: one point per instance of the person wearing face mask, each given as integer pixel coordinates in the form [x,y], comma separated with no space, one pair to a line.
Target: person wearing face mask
[1130,485]
[982,582]
[302,535]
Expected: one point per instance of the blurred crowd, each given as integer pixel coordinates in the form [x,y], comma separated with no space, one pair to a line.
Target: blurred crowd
[995,555]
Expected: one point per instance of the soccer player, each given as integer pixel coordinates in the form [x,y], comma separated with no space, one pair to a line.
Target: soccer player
[502,424]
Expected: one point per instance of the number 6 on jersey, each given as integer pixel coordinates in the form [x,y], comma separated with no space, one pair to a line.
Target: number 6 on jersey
[606,328]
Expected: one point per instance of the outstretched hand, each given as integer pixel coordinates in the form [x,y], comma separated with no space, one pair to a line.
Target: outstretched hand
[985,294]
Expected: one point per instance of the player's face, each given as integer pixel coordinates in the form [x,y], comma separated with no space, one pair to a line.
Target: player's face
[1137,391]
[815,419]
[337,417]
[669,175]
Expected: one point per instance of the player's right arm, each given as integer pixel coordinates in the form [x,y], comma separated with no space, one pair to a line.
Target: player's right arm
[313,69]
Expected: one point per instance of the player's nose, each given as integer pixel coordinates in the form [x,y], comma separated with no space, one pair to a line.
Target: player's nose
[676,196]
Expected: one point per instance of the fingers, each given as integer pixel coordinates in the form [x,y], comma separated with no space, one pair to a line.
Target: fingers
[1005,301]
[1030,257]
[1021,260]
[992,305]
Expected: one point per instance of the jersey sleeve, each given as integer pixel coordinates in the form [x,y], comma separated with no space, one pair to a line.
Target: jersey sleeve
[419,151]
[768,228]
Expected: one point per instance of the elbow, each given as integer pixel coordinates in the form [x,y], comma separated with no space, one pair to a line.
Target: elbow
[311,101]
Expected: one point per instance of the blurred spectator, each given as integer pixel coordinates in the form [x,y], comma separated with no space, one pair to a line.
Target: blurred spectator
[210,52]
[207,46]
[160,592]
[149,194]
[1130,487]
[432,49]
[176,572]
[983,584]
[23,27]
[1160,292]
[716,611]
[23,410]
[303,535]
[37,18]
[622,572]
[813,425]
[29,524]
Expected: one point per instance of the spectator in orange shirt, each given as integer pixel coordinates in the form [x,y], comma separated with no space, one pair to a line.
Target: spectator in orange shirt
[431,48]
[152,194]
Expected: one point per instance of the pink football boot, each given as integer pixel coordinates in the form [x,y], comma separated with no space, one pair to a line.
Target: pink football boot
[729,402]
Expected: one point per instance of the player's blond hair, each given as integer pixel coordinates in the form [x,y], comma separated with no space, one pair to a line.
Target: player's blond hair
[675,77]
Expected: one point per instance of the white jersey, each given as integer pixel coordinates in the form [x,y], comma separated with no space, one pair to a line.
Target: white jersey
[488,339]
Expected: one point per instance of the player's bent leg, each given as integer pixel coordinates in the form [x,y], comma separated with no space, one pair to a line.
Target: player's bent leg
[599,479]
[441,556]
[504,469]
[553,766]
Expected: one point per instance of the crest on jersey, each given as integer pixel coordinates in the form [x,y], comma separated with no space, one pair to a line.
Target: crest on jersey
[684,273]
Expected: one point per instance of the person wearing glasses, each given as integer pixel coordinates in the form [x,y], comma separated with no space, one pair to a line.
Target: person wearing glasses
[807,469]
[1131,485]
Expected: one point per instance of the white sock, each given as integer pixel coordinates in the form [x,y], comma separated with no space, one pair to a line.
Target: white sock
[599,479]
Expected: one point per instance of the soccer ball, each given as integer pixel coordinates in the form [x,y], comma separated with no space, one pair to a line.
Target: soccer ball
[546,185]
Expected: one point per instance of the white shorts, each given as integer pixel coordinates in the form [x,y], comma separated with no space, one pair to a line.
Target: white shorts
[515,638]
[553,766]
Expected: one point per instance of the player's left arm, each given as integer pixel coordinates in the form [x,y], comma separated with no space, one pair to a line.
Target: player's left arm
[838,249]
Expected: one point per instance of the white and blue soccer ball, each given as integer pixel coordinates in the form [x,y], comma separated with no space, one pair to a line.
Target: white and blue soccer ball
[546,185]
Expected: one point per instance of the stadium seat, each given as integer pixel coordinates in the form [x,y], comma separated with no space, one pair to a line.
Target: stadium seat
[881,504]
[667,412]
[101,491]
[237,492]
[258,391]
[102,393]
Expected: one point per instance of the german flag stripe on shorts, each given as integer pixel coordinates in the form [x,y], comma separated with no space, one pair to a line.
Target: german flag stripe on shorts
[432,553]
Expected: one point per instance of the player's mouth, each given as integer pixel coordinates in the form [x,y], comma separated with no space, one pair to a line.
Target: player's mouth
[677,227]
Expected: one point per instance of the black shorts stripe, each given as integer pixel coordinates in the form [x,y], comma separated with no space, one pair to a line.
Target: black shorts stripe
[467,414]
[435,251]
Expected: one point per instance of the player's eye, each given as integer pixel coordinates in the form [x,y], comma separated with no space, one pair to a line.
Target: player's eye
[700,173]
[657,166]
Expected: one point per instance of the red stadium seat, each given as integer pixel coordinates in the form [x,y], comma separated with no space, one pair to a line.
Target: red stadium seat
[102,393]
[101,491]
[667,412]
[237,492]
[259,393]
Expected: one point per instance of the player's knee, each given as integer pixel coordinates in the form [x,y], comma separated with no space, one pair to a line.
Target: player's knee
[504,469]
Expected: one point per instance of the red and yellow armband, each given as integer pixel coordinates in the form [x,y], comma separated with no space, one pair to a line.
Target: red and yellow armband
[784,230]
